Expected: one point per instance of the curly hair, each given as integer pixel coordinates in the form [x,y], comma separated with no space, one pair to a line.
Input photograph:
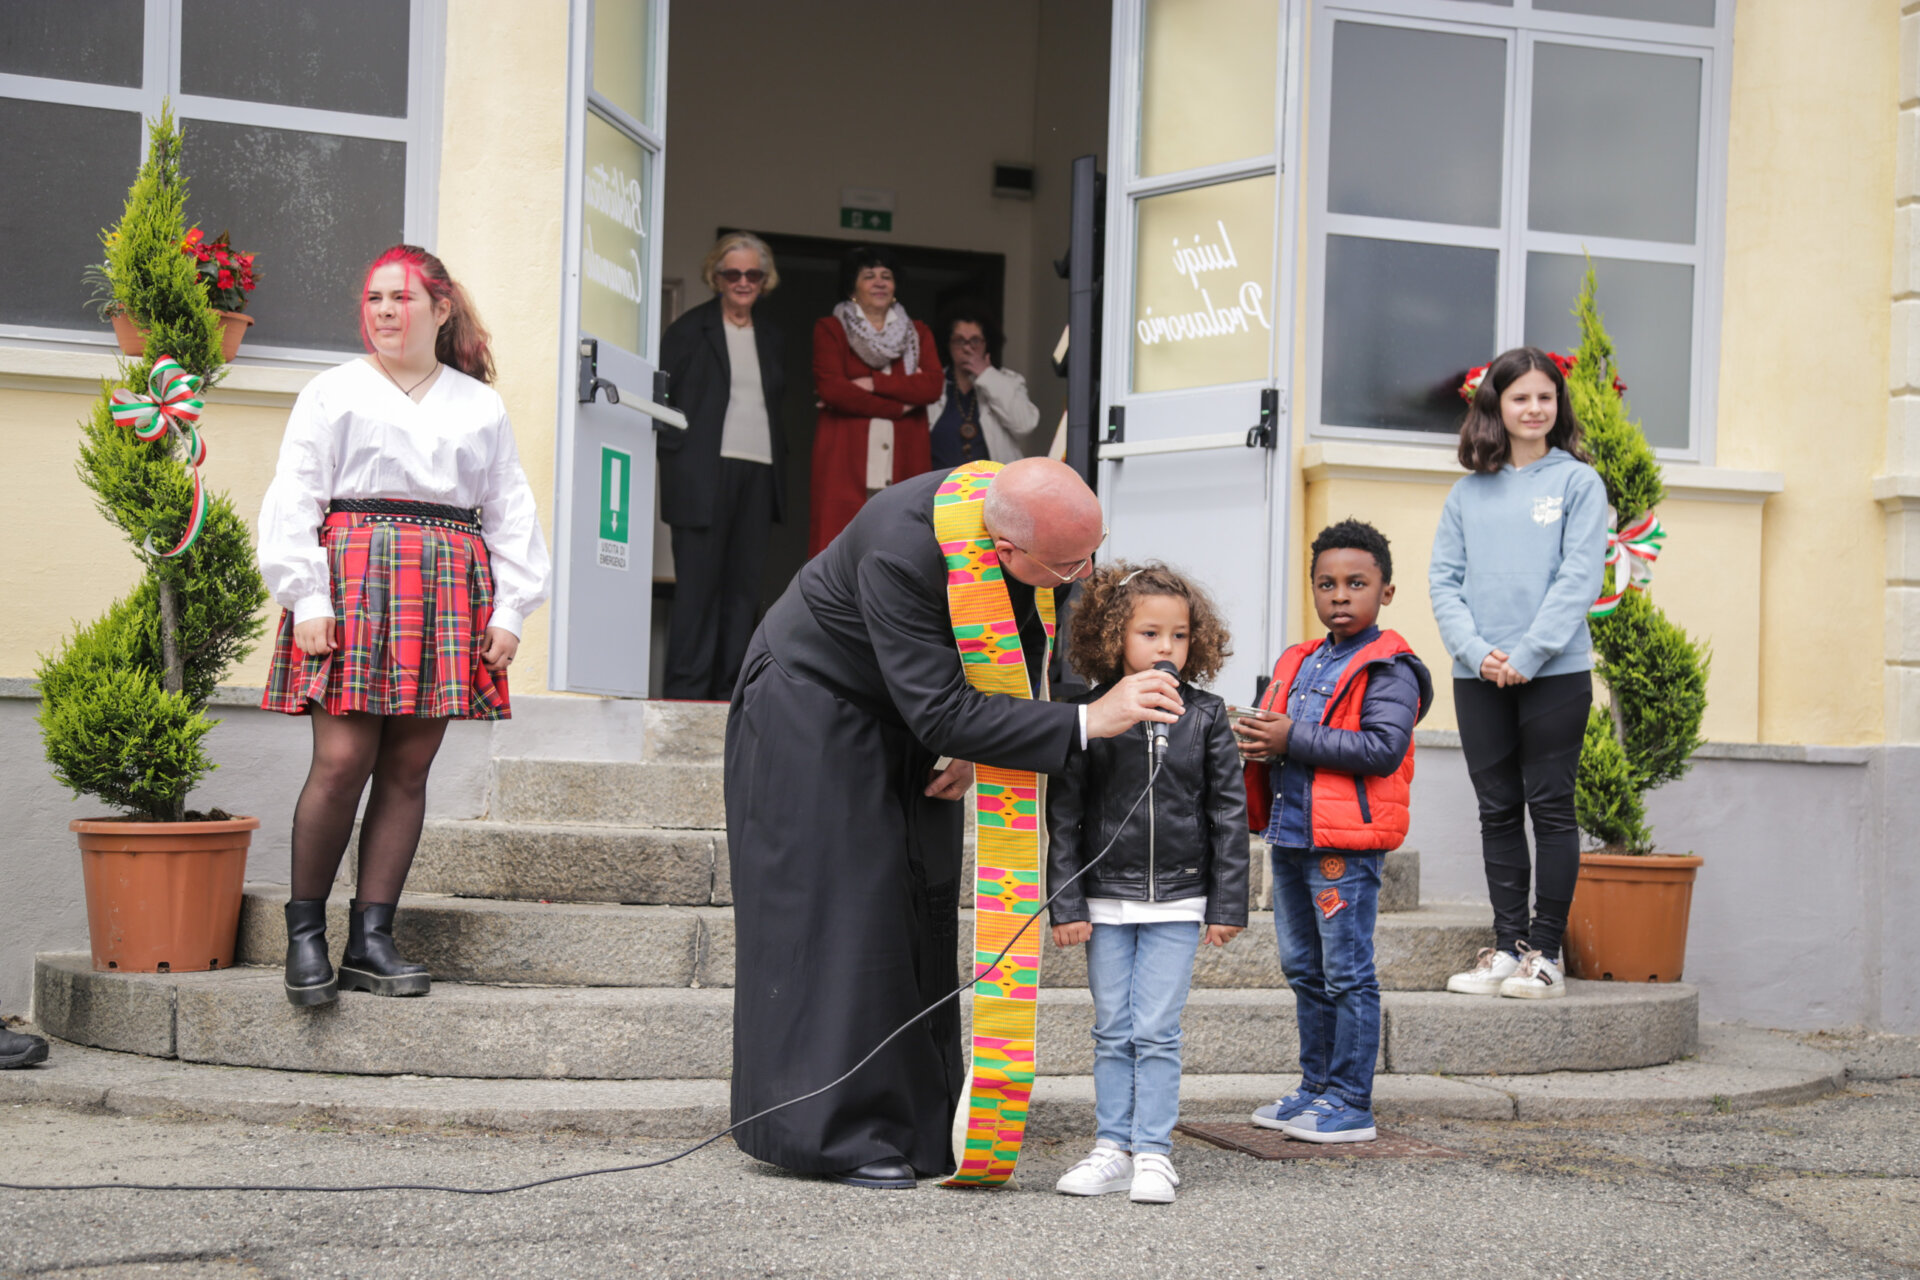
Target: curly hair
[1354,535]
[1097,645]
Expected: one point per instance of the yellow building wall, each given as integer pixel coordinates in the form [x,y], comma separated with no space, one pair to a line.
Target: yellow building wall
[502,206]
[1804,344]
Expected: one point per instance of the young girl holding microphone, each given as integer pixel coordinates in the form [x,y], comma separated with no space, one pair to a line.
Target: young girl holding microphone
[1518,559]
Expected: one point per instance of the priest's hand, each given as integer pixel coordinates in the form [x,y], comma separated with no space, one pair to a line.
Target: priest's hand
[1144,695]
[1073,934]
[951,783]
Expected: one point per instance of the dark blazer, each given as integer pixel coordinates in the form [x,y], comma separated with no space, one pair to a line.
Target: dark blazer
[693,351]
[1194,841]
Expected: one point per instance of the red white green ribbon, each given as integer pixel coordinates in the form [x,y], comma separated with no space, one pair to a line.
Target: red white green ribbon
[1630,554]
[171,406]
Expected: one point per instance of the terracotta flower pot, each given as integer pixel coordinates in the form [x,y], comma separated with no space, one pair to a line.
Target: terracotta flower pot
[163,897]
[1629,917]
[133,339]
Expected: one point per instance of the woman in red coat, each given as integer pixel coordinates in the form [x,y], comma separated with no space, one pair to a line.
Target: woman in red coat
[875,372]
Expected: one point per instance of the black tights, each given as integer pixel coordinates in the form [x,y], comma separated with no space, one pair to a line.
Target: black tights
[397,752]
[1522,745]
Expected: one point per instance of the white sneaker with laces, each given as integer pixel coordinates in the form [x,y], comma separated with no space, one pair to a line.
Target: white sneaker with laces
[1490,968]
[1538,978]
[1153,1179]
[1108,1168]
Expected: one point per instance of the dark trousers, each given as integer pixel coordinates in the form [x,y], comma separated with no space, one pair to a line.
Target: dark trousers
[1522,745]
[716,594]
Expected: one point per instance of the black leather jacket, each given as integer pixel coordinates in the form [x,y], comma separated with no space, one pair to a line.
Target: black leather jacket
[1192,842]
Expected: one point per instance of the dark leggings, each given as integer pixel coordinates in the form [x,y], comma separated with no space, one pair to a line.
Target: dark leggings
[396,752]
[1522,745]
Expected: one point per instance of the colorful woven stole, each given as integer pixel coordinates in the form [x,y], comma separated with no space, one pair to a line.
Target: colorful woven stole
[1007,879]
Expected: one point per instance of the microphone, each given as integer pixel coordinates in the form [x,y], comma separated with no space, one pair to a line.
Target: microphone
[1159,729]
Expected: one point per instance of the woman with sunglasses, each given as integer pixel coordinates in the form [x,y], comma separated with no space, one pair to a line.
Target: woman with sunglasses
[722,480]
[875,371]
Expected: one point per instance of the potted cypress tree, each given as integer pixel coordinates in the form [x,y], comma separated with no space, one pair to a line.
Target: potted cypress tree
[123,701]
[1630,909]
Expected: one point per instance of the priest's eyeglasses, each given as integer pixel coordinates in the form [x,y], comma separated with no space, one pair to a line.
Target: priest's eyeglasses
[1074,572]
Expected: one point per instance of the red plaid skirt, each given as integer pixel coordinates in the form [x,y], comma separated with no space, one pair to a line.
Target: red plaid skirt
[412,602]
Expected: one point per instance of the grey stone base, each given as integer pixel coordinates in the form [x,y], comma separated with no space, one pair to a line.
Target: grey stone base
[1737,1068]
[612,945]
[241,1018]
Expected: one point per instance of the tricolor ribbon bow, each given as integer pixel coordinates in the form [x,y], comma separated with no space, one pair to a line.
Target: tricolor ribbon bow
[172,406]
[1630,554]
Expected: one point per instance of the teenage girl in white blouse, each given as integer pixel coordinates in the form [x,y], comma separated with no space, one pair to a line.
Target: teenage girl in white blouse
[401,539]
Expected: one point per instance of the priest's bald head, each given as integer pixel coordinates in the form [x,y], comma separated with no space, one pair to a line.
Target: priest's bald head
[1045,522]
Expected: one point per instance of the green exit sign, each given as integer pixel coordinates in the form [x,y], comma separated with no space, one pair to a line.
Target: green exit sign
[867,219]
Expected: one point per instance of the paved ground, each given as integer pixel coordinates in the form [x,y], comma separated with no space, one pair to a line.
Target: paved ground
[1829,1188]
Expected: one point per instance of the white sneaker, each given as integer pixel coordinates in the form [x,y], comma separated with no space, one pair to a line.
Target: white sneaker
[1538,979]
[1153,1179]
[1107,1169]
[1491,968]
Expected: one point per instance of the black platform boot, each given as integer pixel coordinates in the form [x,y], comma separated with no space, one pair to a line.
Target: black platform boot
[309,973]
[372,963]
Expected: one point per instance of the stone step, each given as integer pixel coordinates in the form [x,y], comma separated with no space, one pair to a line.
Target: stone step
[684,732]
[532,862]
[609,793]
[1736,1068]
[594,862]
[614,945]
[240,1017]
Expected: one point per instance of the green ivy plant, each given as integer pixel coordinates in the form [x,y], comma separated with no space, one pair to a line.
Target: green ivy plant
[123,701]
[1655,675]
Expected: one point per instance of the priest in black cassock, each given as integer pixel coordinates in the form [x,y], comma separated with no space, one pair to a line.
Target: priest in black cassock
[845,841]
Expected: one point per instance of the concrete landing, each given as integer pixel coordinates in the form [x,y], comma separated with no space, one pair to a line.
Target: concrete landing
[240,1017]
[1736,1068]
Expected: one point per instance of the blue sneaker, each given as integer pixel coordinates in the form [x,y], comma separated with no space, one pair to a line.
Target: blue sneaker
[1328,1119]
[1276,1114]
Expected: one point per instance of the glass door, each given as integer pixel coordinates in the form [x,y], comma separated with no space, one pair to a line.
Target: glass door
[604,478]
[1198,312]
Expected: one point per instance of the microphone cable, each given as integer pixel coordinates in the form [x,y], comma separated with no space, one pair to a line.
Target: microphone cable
[895,1034]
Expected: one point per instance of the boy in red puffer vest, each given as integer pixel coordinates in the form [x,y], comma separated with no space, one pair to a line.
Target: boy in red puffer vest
[1330,763]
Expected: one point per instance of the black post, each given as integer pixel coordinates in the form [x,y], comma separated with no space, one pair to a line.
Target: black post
[1086,255]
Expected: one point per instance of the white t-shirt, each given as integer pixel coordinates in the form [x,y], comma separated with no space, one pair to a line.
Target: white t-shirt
[745,433]
[1128,911]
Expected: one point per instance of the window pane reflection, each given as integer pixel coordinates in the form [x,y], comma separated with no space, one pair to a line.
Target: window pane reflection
[67,170]
[1207,82]
[621,57]
[1648,309]
[1404,322]
[1691,13]
[1616,143]
[344,55]
[101,42]
[1416,124]
[315,207]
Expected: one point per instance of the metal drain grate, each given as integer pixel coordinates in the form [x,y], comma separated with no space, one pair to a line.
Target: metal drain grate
[1271,1144]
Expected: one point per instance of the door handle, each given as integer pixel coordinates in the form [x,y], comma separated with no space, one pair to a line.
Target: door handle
[591,385]
[1265,433]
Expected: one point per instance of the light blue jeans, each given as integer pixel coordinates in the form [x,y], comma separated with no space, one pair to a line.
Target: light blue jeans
[1139,974]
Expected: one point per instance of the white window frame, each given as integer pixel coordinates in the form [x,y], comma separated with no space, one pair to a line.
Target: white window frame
[419,130]
[1522,26]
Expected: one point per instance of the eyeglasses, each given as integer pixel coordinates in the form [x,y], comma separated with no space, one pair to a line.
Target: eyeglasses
[1075,572]
[971,344]
[734,275]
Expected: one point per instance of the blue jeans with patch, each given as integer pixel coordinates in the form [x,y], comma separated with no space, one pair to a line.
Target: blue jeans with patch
[1139,975]
[1324,906]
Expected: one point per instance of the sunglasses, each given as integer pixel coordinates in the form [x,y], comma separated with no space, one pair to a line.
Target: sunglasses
[734,275]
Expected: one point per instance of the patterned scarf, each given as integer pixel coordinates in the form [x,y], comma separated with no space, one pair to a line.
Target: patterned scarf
[878,348]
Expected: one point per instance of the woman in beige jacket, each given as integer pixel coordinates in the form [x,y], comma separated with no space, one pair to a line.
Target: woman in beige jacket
[983,411]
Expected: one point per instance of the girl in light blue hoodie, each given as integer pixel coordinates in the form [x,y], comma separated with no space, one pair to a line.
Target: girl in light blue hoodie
[1518,559]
